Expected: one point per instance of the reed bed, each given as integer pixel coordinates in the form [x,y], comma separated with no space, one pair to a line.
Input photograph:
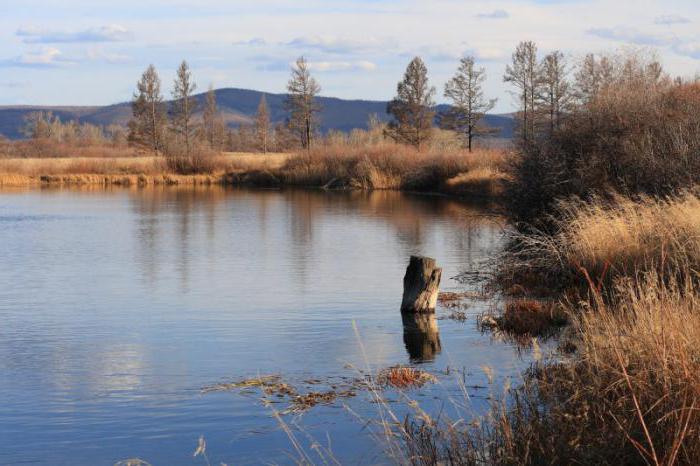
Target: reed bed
[605,241]
[630,392]
[386,165]
[128,171]
[630,396]
[379,165]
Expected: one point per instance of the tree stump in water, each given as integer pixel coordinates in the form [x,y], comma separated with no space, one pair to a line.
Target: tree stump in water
[421,285]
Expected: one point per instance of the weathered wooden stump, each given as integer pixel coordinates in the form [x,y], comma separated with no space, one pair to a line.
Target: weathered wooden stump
[421,285]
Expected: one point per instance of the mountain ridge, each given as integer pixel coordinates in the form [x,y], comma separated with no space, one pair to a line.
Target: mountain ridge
[238,106]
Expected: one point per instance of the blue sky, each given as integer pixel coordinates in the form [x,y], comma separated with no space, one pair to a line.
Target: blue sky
[84,52]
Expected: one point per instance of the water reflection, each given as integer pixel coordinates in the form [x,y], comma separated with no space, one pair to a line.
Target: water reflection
[421,335]
[202,215]
[118,305]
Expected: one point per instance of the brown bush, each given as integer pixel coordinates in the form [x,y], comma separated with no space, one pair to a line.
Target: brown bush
[387,165]
[532,318]
[632,137]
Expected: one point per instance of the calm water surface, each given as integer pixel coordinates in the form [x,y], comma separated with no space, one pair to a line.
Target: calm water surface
[118,306]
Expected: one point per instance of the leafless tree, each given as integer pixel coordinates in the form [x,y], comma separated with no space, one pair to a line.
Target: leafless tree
[469,106]
[149,117]
[523,73]
[301,102]
[184,106]
[262,124]
[412,108]
[213,125]
[555,92]
[39,125]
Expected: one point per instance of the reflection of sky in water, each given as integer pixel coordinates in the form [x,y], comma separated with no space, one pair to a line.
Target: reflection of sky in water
[118,306]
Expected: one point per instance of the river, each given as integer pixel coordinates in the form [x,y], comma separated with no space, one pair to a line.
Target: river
[118,306]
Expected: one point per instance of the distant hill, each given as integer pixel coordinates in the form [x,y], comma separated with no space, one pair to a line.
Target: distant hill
[238,106]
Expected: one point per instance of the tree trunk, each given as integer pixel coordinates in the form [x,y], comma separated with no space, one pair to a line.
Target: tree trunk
[421,285]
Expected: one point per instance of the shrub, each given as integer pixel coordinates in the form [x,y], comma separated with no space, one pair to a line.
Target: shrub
[634,136]
[604,241]
[200,158]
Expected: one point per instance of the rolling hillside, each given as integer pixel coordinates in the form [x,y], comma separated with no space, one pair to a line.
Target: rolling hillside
[238,107]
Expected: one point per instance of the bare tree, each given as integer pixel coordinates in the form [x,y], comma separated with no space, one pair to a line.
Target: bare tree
[523,73]
[555,92]
[469,106]
[262,124]
[147,125]
[212,123]
[412,108]
[39,125]
[184,106]
[301,102]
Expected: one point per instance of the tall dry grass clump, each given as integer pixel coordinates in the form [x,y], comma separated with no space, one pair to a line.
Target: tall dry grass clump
[388,165]
[605,240]
[630,396]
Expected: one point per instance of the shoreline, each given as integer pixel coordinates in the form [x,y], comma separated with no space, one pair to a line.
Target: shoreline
[485,190]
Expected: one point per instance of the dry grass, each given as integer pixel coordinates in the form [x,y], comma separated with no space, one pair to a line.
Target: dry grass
[532,318]
[603,241]
[403,377]
[630,396]
[631,392]
[129,171]
[386,165]
[274,390]
[379,165]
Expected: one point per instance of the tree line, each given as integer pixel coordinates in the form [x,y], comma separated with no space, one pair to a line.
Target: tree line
[155,123]
[546,90]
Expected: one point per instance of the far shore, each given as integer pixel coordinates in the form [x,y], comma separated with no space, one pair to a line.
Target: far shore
[246,169]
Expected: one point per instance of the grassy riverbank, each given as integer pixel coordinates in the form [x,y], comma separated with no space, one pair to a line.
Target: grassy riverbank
[607,213]
[379,166]
[628,274]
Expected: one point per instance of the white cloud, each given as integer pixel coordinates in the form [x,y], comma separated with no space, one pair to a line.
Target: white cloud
[688,49]
[495,14]
[44,57]
[255,41]
[327,66]
[669,20]
[633,36]
[111,33]
[341,45]
[99,54]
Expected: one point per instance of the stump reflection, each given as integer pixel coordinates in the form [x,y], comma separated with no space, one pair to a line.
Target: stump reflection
[421,336]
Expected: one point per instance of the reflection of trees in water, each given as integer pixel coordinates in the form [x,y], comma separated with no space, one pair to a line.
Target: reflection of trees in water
[151,204]
[421,336]
[413,220]
[302,207]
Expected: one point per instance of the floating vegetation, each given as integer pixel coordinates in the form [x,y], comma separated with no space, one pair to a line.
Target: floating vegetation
[268,382]
[274,390]
[404,377]
[302,403]
[132,462]
[459,316]
[451,300]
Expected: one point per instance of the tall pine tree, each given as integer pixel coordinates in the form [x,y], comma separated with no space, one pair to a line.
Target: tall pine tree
[147,125]
[412,108]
